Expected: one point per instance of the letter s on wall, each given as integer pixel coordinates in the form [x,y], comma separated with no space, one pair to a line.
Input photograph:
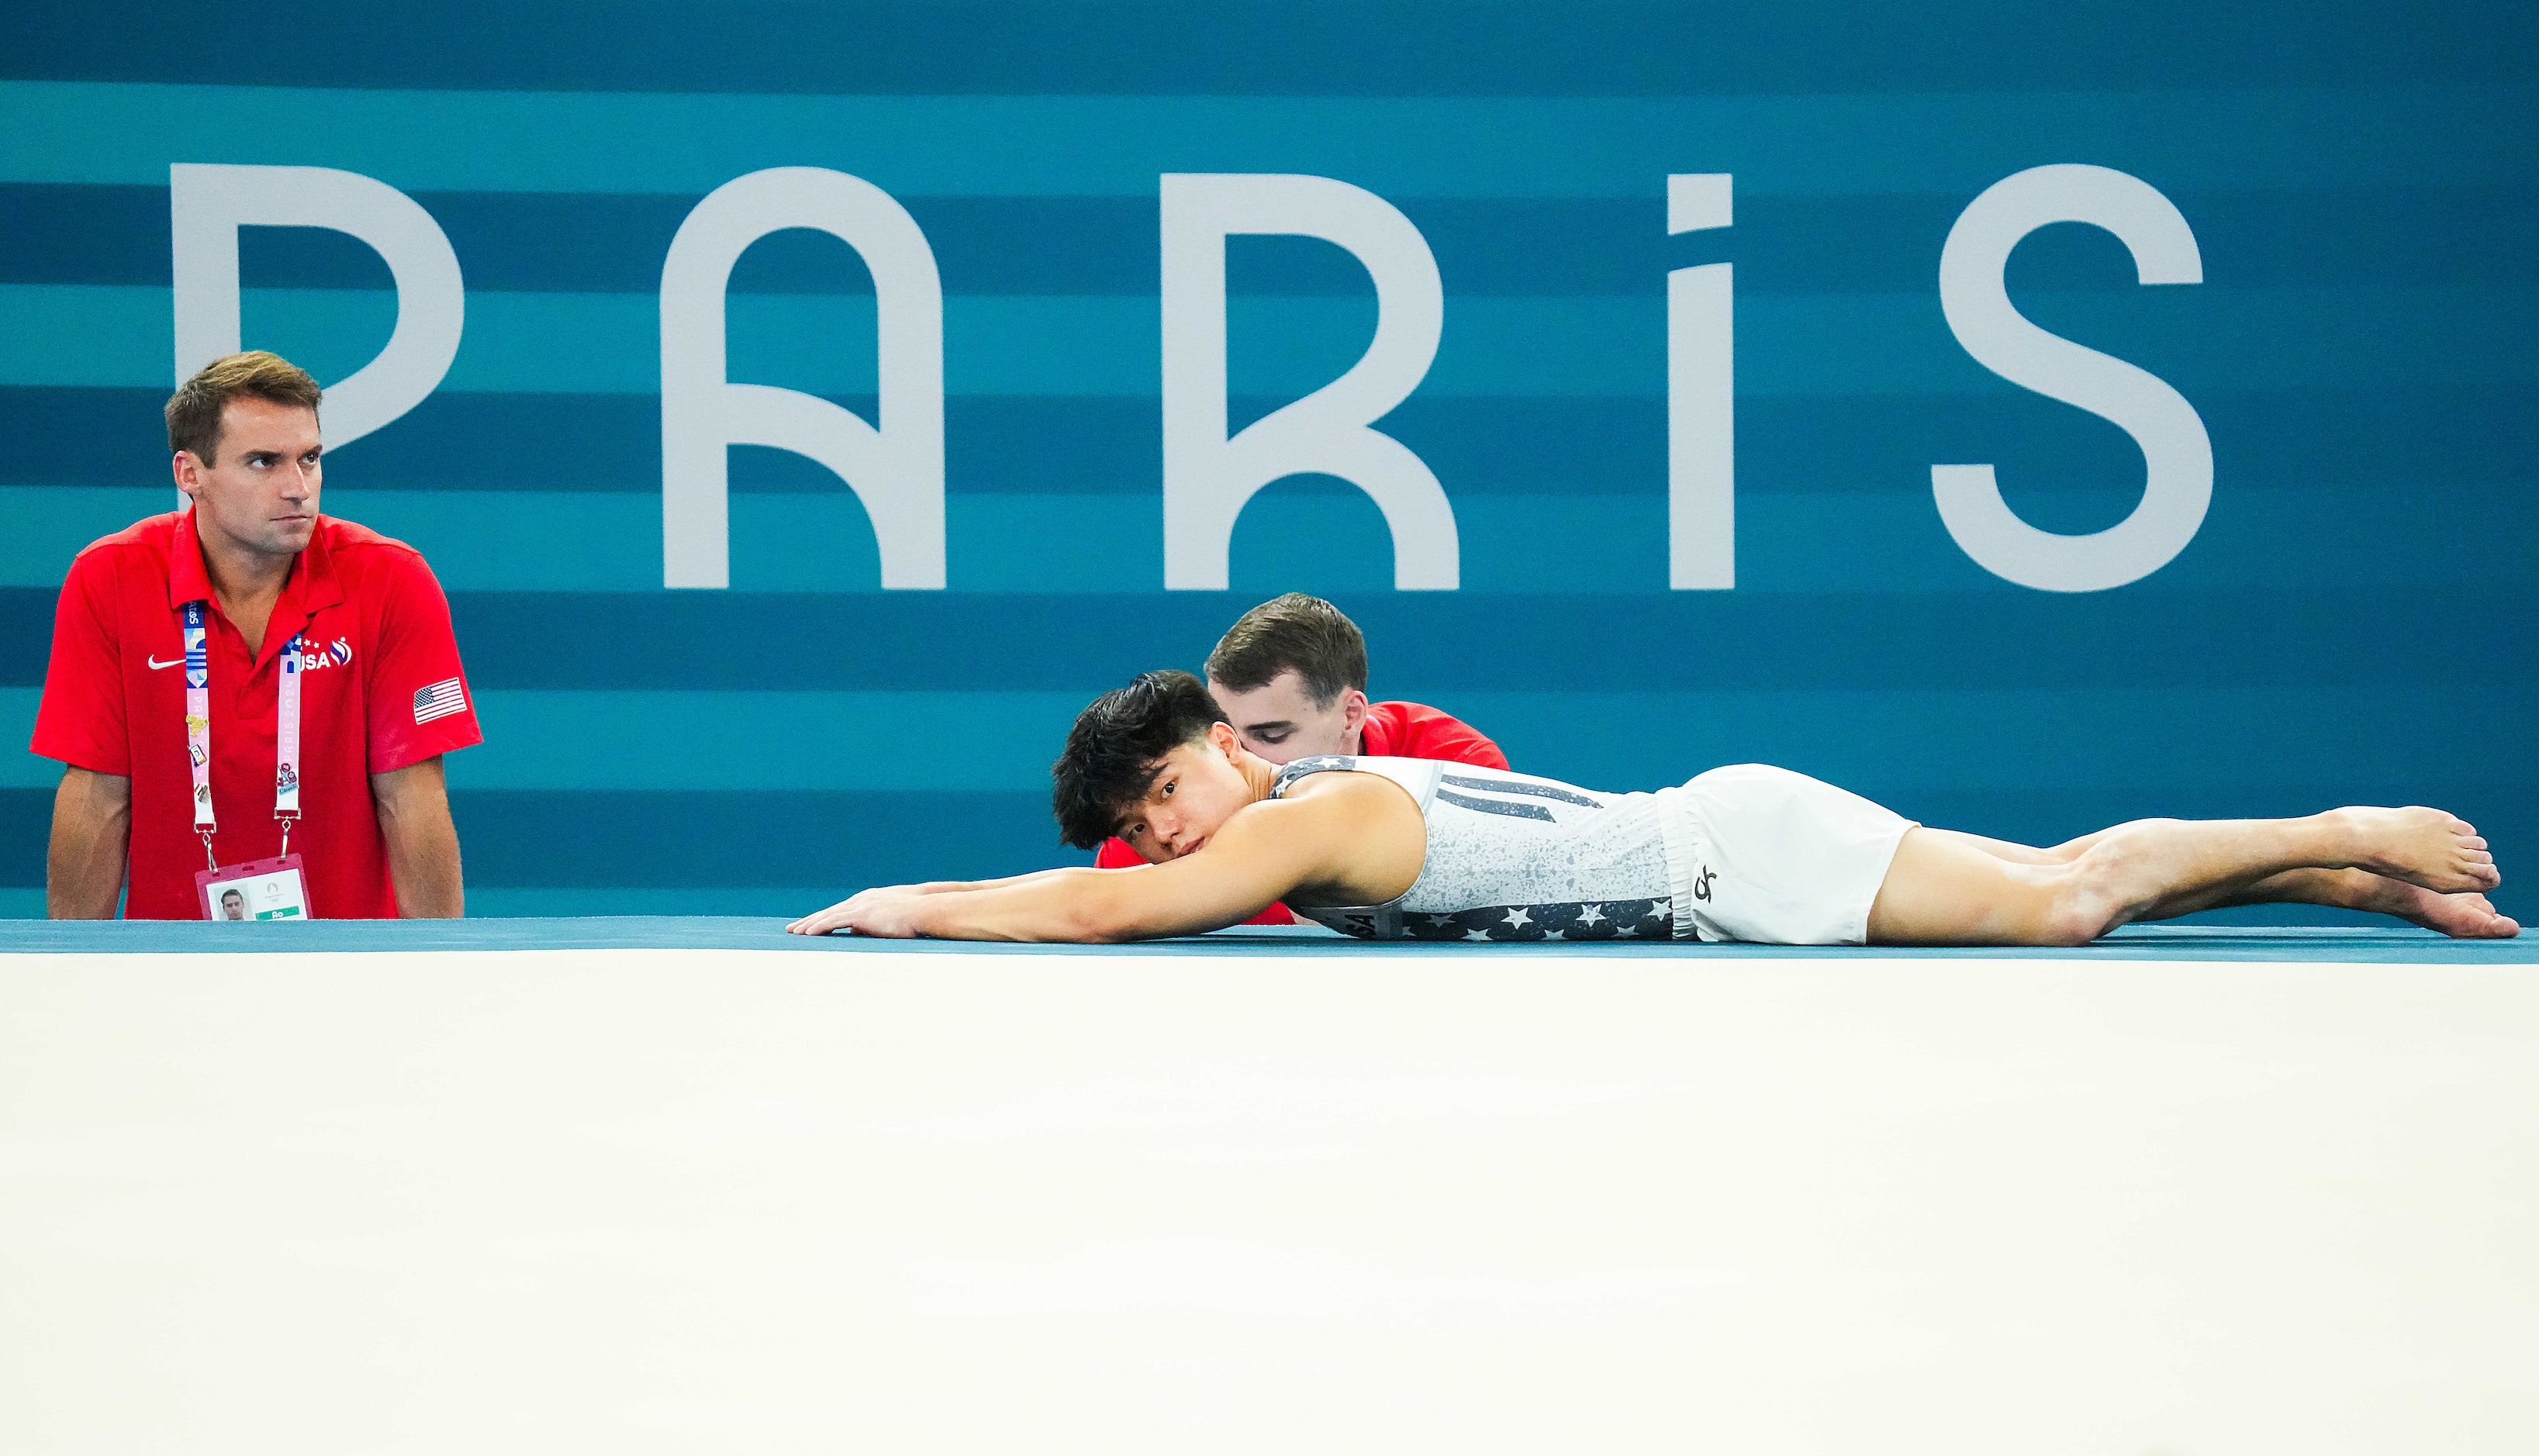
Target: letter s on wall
[2176,452]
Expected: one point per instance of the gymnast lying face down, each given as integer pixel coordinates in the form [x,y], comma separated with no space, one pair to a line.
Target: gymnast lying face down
[1395,848]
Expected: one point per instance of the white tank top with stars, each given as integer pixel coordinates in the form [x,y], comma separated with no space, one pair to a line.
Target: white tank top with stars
[1511,857]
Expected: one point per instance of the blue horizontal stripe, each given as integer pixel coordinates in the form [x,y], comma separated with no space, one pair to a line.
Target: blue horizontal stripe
[696,841]
[821,742]
[1444,643]
[1116,146]
[592,542]
[1322,48]
[1439,644]
[1901,742]
[2436,450]
[1514,247]
[1920,744]
[749,839]
[1859,344]
[816,742]
[1307,534]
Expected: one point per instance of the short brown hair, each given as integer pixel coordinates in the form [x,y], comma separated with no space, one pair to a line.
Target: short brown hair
[1298,631]
[195,410]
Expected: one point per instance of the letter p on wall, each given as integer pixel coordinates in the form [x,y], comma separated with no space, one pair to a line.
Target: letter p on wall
[206,206]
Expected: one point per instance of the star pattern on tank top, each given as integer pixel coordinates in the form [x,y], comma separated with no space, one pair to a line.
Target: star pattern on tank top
[1576,920]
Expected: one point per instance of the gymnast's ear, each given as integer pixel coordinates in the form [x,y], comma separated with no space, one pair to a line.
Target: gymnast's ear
[1221,737]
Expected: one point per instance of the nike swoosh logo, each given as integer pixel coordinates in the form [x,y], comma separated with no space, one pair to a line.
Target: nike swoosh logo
[156,664]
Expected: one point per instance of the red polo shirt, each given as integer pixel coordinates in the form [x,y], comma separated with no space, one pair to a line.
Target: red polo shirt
[1391,729]
[379,667]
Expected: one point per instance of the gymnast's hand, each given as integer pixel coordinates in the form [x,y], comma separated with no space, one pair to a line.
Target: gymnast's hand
[886,910]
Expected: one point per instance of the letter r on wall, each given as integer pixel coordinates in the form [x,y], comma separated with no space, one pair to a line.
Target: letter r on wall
[1208,477]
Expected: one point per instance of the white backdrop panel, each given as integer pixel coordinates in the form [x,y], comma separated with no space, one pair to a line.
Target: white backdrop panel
[726,1201]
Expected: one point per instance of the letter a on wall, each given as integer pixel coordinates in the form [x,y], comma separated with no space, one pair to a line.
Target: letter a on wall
[896,468]
[1208,477]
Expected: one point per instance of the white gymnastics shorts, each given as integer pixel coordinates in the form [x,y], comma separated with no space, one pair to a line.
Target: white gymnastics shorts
[1757,853]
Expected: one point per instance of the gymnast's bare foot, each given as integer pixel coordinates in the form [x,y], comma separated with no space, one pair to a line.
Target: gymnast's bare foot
[2425,847]
[2467,915]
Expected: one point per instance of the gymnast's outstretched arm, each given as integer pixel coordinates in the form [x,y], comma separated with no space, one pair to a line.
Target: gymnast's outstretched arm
[1264,853]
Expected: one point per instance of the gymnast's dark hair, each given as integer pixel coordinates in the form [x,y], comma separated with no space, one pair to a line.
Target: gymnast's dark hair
[1112,751]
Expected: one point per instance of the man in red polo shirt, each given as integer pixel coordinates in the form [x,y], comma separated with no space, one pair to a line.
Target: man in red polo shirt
[1290,676]
[185,641]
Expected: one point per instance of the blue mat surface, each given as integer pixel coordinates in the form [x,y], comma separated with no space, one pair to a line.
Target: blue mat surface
[2394,944]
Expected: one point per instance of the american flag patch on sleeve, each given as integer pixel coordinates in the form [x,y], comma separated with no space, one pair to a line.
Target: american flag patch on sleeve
[440,701]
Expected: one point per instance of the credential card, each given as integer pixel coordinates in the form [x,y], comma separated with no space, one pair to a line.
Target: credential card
[259,889]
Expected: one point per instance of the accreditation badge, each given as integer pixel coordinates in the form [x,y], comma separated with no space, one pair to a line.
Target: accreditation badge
[258,890]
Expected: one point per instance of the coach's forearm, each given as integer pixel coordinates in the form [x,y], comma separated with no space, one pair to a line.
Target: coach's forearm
[422,840]
[92,833]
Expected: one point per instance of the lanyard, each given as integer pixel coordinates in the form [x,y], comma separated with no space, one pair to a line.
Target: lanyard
[198,732]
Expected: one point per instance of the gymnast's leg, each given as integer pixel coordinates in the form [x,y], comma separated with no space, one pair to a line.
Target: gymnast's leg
[2024,854]
[2465,914]
[1950,889]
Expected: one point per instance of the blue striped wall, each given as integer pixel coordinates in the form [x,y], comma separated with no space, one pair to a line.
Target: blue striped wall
[2352,621]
